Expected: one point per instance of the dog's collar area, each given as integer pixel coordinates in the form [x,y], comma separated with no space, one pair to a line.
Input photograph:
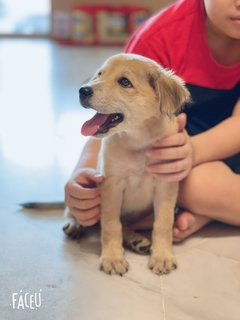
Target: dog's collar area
[101,123]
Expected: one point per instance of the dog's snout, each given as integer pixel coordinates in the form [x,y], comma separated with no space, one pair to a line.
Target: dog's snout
[85,92]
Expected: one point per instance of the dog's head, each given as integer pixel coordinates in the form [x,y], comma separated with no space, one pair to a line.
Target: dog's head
[127,91]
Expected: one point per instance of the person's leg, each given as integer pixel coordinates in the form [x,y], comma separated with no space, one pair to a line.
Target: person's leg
[210,192]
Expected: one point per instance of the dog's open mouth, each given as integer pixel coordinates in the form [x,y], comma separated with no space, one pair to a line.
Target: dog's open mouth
[101,123]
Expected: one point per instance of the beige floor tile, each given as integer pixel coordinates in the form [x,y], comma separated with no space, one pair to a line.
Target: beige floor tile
[37,256]
[227,244]
[206,286]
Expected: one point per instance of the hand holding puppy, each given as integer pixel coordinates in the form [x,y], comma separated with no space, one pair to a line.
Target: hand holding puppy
[82,196]
[171,158]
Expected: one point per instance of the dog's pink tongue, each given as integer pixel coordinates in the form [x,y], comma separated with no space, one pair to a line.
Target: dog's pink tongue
[91,126]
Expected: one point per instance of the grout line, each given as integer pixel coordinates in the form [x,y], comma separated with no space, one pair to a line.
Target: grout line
[163,298]
[216,254]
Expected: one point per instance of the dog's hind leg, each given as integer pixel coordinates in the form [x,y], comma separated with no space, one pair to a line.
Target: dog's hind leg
[72,228]
[136,241]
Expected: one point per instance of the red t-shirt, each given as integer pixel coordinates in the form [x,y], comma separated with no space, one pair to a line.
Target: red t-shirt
[175,38]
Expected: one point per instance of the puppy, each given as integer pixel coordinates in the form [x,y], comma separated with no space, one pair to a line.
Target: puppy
[136,101]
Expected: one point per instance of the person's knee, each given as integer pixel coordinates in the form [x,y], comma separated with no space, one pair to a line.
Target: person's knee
[190,191]
[203,188]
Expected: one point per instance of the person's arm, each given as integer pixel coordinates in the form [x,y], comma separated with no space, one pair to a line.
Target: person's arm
[89,155]
[181,152]
[82,192]
[219,142]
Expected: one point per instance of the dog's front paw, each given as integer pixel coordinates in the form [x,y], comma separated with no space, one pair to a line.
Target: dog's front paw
[116,265]
[160,264]
[72,229]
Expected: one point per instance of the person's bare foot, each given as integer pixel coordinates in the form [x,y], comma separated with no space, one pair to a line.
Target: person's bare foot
[187,223]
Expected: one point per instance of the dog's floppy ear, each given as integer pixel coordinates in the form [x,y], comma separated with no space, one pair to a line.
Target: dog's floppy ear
[172,92]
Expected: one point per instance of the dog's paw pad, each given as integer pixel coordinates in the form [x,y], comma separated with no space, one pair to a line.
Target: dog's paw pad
[145,249]
[114,266]
[141,245]
[162,265]
[72,230]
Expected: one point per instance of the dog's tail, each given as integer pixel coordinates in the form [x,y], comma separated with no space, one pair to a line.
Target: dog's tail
[55,205]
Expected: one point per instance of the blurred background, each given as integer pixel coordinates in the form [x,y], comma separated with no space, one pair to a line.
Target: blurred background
[47,49]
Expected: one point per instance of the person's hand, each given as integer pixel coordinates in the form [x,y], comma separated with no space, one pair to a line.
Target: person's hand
[171,158]
[82,196]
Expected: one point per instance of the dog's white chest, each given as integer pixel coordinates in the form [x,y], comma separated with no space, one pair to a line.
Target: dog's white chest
[138,193]
[127,172]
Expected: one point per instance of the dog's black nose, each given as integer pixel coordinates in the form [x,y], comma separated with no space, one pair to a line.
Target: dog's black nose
[85,92]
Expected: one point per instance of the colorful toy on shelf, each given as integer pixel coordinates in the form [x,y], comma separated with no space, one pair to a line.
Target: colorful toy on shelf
[83,24]
[101,24]
[112,25]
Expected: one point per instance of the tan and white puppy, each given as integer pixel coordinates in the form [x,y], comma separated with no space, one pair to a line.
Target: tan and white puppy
[136,101]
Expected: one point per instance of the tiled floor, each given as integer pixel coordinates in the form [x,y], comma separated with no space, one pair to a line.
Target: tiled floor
[58,278]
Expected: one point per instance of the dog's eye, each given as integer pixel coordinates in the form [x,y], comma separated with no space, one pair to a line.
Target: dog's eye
[125,83]
[99,73]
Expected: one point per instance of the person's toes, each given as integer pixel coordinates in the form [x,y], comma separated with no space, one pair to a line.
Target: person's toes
[176,232]
[184,220]
[178,235]
[186,224]
[182,223]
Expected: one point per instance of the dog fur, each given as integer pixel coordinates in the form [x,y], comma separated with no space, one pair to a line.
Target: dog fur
[148,96]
